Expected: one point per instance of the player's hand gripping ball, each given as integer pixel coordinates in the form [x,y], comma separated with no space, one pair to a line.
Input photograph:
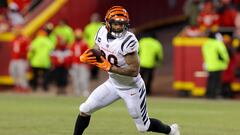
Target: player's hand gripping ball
[97,54]
[101,61]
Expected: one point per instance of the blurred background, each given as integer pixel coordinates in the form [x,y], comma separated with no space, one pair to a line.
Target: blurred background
[41,40]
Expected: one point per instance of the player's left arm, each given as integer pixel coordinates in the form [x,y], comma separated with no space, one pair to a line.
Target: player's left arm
[133,65]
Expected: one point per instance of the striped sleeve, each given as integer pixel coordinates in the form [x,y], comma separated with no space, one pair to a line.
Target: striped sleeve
[129,44]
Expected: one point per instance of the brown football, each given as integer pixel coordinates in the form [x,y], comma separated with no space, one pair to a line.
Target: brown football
[97,54]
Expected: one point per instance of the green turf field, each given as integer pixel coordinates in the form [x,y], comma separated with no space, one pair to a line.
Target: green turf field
[52,115]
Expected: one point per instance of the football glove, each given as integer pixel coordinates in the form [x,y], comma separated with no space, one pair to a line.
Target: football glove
[87,57]
[105,65]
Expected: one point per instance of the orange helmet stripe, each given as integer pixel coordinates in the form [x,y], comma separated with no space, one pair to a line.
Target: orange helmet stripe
[116,10]
[117,13]
[120,13]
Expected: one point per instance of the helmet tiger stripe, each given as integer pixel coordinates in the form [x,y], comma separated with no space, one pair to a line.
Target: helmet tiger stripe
[116,13]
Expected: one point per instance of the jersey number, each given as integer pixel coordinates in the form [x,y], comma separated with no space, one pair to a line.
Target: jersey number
[111,58]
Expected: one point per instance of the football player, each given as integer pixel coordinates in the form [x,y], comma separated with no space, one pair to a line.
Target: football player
[119,49]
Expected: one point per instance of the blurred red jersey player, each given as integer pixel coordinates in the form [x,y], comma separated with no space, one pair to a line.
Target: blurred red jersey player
[18,65]
[61,60]
[79,71]
[208,18]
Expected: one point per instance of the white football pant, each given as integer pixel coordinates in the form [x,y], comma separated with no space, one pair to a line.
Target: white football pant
[134,99]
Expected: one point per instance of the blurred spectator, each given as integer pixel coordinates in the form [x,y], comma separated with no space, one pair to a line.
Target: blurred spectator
[4,25]
[236,45]
[89,34]
[237,19]
[228,74]
[236,38]
[192,31]
[49,28]
[14,15]
[208,18]
[63,30]
[227,13]
[79,71]
[19,65]
[22,5]
[150,52]
[91,29]
[216,60]
[191,10]
[237,58]
[39,59]
[61,61]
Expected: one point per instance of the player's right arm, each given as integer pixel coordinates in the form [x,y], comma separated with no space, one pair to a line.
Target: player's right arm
[129,50]
[132,69]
